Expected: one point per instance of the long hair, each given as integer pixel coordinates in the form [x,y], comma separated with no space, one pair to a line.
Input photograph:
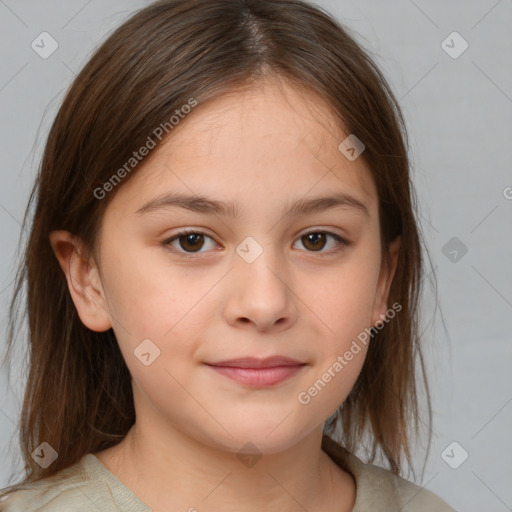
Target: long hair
[78,395]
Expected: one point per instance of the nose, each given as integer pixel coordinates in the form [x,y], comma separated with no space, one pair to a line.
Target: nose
[259,295]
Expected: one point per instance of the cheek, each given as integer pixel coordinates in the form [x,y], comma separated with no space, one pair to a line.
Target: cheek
[339,360]
[148,297]
[151,302]
[332,382]
[342,299]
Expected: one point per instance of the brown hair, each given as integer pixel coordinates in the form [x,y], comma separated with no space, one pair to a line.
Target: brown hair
[78,395]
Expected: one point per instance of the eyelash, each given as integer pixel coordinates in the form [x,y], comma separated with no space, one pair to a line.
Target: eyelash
[342,242]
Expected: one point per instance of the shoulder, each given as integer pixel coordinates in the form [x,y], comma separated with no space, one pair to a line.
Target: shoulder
[57,492]
[84,487]
[380,489]
[68,490]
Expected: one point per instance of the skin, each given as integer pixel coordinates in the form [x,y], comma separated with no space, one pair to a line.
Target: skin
[263,147]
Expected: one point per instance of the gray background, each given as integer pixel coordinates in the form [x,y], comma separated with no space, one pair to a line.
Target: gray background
[458,112]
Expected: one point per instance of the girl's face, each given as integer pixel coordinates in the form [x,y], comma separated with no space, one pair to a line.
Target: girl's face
[283,259]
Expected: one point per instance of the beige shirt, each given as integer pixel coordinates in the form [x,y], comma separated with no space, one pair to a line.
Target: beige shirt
[88,486]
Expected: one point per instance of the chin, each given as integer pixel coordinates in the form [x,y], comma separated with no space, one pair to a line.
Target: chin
[257,439]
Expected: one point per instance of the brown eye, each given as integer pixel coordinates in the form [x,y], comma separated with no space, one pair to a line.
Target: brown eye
[190,242]
[317,241]
[314,241]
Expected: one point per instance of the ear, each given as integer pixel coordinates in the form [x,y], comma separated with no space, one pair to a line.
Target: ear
[83,280]
[387,273]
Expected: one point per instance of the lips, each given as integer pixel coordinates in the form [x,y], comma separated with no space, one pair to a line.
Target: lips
[255,362]
[257,372]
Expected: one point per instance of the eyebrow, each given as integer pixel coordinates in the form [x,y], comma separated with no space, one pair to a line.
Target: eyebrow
[205,205]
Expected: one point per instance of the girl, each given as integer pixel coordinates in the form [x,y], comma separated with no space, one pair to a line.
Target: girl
[223,273]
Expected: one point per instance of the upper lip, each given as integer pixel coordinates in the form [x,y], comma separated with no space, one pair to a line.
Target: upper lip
[255,362]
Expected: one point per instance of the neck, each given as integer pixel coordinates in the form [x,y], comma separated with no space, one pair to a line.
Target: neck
[177,470]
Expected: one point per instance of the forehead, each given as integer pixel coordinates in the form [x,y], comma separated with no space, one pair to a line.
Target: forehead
[272,139]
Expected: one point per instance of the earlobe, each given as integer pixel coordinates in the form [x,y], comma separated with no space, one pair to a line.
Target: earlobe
[83,281]
[387,273]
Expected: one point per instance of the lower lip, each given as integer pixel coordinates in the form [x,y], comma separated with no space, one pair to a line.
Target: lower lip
[258,377]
